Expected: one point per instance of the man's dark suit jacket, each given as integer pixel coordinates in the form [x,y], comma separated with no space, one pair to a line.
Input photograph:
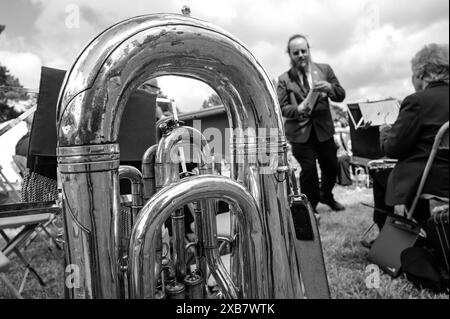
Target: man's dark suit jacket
[410,140]
[321,118]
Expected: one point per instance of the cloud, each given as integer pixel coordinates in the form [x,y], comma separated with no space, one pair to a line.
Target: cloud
[382,57]
[369,43]
[415,14]
[26,66]
[218,12]
[188,94]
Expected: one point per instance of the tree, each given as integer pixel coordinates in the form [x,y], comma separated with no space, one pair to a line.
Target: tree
[10,91]
[212,100]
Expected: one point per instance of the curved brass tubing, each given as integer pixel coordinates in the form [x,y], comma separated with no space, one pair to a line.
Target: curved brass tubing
[92,99]
[159,208]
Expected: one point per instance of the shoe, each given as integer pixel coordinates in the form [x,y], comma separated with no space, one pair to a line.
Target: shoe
[367,244]
[332,203]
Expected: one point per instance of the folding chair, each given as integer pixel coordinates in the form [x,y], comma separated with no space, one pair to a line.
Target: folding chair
[4,265]
[39,176]
[12,193]
[401,233]
[37,208]
[441,142]
[21,163]
[29,216]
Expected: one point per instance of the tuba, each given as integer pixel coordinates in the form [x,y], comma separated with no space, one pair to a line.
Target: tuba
[267,259]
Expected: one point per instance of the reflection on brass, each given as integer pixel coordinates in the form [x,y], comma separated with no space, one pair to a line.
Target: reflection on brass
[264,261]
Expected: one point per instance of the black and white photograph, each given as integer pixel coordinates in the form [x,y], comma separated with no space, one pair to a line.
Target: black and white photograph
[210,150]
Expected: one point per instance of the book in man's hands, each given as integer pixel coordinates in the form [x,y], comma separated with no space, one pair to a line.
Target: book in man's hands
[309,104]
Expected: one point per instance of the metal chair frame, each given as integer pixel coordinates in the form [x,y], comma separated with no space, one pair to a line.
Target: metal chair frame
[31,217]
[441,141]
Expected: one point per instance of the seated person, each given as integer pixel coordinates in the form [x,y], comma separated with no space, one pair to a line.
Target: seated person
[21,151]
[22,143]
[343,156]
[411,137]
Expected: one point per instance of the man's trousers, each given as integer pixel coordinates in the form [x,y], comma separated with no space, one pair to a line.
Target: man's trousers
[306,155]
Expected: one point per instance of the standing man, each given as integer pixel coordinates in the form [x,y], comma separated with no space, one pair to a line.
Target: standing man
[303,93]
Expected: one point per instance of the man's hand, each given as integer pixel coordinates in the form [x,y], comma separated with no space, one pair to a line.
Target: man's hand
[384,127]
[303,108]
[322,86]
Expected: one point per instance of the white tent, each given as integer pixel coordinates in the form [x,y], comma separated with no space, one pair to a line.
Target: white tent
[8,143]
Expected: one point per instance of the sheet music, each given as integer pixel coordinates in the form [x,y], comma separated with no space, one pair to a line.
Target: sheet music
[381,112]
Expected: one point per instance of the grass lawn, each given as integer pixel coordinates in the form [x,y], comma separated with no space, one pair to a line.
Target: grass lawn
[345,258]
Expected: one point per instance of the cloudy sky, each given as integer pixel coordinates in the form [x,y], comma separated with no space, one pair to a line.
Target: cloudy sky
[369,43]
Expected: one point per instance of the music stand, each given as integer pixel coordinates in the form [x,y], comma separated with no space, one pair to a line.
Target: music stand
[365,140]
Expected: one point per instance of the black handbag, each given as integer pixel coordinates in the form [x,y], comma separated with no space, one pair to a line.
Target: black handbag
[437,229]
[421,268]
[397,234]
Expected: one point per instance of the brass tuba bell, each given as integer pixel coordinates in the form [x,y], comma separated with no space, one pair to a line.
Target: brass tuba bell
[266,257]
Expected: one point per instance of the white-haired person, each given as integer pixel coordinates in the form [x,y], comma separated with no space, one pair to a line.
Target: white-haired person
[411,137]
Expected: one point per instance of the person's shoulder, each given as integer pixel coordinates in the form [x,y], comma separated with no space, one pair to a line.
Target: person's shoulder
[412,98]
[431,92]
[435,94]
[414,101]
[284,76]
[322,66]
[436,88]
